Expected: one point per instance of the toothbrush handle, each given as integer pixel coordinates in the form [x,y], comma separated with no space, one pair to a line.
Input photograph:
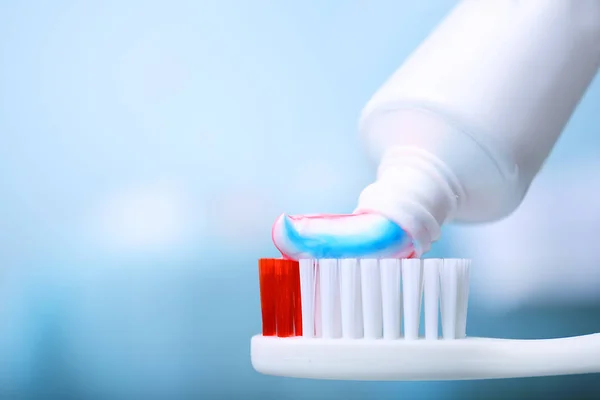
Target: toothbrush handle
[563,356]
[407,360]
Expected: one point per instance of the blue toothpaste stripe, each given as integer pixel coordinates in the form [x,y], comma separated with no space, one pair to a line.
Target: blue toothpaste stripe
[386,236]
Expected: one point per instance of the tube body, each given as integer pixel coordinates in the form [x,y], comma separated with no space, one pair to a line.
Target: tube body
[464,125]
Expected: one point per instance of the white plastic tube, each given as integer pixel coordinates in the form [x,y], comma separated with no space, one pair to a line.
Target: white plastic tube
[464,125]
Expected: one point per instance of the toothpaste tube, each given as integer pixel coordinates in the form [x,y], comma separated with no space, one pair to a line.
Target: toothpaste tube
[461,129]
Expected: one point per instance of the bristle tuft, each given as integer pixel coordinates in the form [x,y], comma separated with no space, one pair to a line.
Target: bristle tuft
[463,298]
[297,299]
[449,280]
[308,281]
[371,298]
[352,315]
[412,288]
[391,272]
[268,298]
[431,278]
[285,298]
[330,299]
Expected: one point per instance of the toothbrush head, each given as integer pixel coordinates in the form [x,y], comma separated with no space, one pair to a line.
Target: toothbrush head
[359,319]
[354,302]
[364,298]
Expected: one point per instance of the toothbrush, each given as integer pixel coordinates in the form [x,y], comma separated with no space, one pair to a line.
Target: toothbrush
[358,319]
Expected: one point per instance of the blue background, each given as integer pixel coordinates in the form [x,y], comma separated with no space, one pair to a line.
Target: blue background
[146,147]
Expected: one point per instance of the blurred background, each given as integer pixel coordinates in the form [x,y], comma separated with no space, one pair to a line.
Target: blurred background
[146,147]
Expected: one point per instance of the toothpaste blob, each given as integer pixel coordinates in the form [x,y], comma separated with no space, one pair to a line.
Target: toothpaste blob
[360,235]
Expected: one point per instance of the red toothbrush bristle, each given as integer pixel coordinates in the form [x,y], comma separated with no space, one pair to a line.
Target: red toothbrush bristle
[297,300]
[285,298]
[268,296]
[280,297]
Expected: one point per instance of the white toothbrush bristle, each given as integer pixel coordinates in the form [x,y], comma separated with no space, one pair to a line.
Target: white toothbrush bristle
[330,299]
[350,287]
[317,305]
[412,288]
[371,298]
[449,297]
[463,298]
[431,277]
[308,296]
[391,271]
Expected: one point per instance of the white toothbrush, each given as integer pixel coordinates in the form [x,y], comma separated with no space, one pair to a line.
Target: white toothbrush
[352,310]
